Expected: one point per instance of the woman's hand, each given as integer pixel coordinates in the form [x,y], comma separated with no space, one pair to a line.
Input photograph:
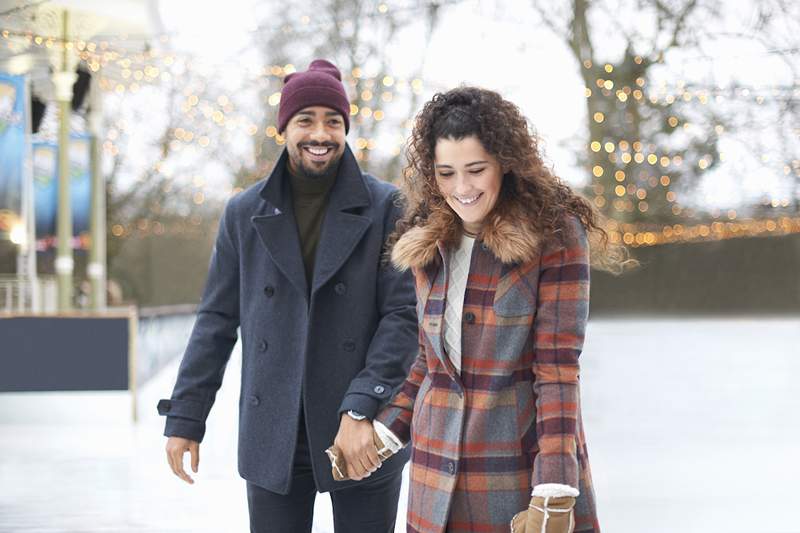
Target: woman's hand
[546,515]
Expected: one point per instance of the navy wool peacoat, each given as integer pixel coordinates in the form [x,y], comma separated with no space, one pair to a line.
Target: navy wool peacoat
[345,342]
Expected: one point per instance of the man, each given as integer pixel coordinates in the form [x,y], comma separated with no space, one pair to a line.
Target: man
[328,329]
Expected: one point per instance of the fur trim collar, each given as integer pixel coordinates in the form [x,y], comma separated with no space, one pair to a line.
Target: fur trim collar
[511,240]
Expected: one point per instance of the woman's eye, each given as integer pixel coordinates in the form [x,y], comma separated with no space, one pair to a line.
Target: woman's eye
[477,171]
[445,175]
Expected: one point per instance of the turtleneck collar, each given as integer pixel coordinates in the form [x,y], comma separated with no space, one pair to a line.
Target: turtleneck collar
[306,186]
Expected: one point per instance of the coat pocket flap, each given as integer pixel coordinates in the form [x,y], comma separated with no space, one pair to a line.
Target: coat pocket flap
[515,294]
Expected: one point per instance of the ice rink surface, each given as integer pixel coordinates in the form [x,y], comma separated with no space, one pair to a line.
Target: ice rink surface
[693,425]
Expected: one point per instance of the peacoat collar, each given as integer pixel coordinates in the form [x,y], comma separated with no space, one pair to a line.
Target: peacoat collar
[341,230]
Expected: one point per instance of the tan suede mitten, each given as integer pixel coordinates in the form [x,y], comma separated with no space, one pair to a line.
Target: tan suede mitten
[546,515]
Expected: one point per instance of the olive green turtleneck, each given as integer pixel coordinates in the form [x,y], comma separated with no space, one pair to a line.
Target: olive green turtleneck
[310,200]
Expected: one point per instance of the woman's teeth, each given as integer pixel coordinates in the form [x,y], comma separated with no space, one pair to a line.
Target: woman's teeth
[468,201]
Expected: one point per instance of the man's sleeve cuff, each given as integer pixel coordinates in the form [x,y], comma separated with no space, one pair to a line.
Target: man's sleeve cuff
[366,405]
[190,409]
[185,428]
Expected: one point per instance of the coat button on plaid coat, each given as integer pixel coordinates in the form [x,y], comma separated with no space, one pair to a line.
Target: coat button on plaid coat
[511,419]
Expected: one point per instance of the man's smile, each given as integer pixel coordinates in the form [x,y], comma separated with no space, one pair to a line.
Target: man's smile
[317,153]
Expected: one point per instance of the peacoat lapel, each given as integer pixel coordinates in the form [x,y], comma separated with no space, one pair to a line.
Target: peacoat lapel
[341,230]
[277,229]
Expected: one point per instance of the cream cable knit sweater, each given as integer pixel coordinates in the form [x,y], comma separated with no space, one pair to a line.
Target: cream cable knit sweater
[458,270]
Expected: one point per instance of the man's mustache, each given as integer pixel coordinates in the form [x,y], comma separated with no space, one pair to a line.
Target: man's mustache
[318,144]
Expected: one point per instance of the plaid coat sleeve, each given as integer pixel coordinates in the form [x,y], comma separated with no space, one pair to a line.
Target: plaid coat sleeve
[559,327]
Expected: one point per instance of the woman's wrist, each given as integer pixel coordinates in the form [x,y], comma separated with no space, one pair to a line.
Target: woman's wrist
[554,490]
[386,435]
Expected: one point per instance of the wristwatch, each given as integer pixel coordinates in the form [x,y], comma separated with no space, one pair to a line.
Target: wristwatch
[355,415]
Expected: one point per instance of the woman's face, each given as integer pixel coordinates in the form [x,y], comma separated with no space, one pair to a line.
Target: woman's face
[469,178]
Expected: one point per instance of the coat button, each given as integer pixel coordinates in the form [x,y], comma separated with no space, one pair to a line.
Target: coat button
[254,400]
[469,316]
[349,346]
[340,288]
[379,389]
[269,290]
[451,467]
[164,406]
[262,346]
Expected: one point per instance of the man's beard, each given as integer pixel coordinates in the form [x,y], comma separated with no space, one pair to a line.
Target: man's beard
[312,172]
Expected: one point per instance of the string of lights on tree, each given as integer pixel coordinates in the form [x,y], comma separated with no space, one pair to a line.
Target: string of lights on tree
[636,235]
[639,168]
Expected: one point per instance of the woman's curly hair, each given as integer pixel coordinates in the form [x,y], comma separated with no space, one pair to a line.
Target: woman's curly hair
[529,189]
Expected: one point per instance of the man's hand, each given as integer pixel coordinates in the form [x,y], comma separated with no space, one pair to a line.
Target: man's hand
[356,443]
[176,447]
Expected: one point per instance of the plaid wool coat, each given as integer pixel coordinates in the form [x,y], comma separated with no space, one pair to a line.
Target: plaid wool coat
[511,419]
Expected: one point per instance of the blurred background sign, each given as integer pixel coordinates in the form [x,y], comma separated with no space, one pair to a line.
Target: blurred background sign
[12,156]
[45,179]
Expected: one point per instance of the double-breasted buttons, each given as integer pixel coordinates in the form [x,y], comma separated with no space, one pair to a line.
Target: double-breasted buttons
[469,316]
[348,345]
[262,346]
[254,400]
[269,291]
[340,289]
[379,389]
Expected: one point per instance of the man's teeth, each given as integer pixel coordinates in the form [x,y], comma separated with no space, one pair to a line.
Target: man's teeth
[317,150]
[467,201]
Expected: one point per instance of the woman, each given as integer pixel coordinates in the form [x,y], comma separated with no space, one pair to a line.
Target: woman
[499,250]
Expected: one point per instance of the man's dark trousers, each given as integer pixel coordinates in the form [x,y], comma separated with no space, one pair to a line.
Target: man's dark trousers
[368,507]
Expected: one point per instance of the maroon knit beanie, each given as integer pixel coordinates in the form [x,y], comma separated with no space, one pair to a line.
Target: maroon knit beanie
[321,85]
